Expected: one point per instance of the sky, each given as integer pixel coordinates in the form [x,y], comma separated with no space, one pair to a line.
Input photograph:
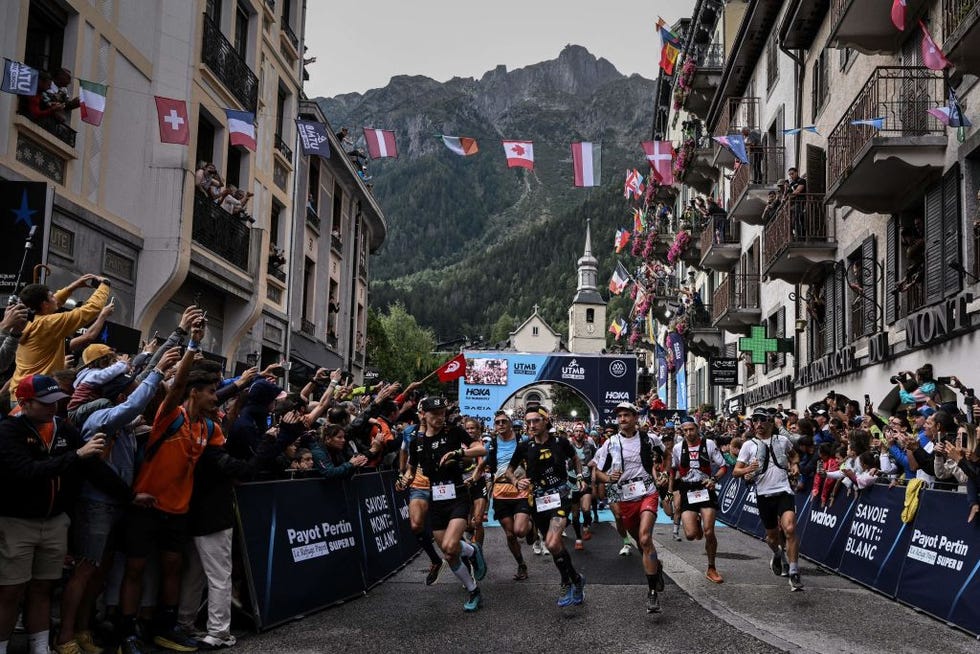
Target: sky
[361,45]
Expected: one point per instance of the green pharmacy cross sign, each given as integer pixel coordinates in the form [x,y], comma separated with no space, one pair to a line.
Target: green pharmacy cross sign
[758,344]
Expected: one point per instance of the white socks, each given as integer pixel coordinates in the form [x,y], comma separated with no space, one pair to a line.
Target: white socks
[38,642]
[463,574]
[466,550]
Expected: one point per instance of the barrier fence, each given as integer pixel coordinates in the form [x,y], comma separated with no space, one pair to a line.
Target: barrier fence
[311,543]
[931,564]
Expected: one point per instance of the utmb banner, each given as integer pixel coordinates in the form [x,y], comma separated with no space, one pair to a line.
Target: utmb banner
[493,377]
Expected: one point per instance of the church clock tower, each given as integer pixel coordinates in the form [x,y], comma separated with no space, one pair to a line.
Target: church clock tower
[587,315]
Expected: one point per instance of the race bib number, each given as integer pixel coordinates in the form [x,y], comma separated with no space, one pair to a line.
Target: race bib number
[696,496]
[633,490]
[547,502]
[441,492]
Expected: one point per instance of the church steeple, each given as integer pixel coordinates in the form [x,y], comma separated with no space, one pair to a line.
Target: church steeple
[588,273]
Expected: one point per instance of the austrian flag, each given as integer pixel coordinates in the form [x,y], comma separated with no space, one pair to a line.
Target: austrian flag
[380,142]
[586,163]
[520,154]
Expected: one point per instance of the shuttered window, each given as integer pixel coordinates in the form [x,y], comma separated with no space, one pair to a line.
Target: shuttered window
[833,313]
[891,271]
[942,227]
[869,283]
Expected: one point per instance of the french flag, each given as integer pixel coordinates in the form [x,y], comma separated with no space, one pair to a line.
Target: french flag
[380,142]
[241,128]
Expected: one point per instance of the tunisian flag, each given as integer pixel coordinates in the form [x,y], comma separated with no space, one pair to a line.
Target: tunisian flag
[520,154]
[452,369]
[380,142]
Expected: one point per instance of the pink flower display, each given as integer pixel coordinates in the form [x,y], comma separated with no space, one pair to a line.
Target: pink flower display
[681,242]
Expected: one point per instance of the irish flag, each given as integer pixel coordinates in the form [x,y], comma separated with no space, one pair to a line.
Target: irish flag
[380,142]
[91,99]
[461,145]
[586,162]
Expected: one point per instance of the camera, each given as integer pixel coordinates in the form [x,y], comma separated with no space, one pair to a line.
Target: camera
[944,380]
[13,299]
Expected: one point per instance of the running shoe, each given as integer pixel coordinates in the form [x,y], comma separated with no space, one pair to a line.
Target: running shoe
[578,591]
[776,564]
[71,647]
[566,597]
[176,640]
[795,583]
[521,572]
[625,551]
[579,545]
[536,548]
[86,643]
[433,576]
[784,564]
[587,533]
[713,576]
[677,535]
[479,563]
[220,641]
[653,602]
[529,538]
[132,645]
[658,583]
[474,601]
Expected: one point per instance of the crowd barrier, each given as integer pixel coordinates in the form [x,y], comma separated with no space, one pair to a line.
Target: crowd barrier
[311,543]
[932,564]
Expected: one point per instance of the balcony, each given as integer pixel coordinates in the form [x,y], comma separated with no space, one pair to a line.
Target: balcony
[312,219]
[866,25]
[61,131]
[739,113]
[692,165]
[799,240]
[228,66]
[703,339]
[336,244]
[290,35]
[284,149]
[278,273]
[735,306]
[703,81]
[219,231]
[883,170]
[721,246]
[961,29]
[307,327]
[752,183]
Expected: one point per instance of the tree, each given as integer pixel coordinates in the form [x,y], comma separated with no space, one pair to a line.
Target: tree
[567,400]
[399,347]
[502,328]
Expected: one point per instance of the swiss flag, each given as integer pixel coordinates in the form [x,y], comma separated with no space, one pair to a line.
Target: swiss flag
[452,369]
[172,116]
[520,154]
[660,154]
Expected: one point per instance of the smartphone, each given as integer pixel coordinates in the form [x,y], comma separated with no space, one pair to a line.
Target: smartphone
[867,399]
[944,380]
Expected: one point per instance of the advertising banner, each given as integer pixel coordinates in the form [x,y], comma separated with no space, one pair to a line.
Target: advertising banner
[731,495]
[877,539]
[825,531]
[941,574]
[380,532]
[675,343]
[296,536]
[493,377]
[748,519]
[661,354]
[23,209]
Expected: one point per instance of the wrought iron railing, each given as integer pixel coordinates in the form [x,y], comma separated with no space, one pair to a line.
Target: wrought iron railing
[312,218]
[278,273]
[228,66]
[713,56]
[765,167]
[957,13]
[900,95]
[290,34]
[739,113]
[737,292]
[61,131]
[220,232]
[336,243]
[799,219]
[699,317]
[284,149]
[720,231]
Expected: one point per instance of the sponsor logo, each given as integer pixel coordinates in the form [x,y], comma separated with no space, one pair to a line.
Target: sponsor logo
[525,369]
[730,494]
[573,370]
[477,392]
[617,369]
[617,396]
[823,518]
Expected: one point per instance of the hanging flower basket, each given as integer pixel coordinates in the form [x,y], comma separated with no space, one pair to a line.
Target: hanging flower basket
[677,248]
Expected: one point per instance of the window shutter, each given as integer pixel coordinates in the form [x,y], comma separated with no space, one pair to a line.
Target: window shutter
[840,325]
[830,312]
[951,230]
[891,271]
[869,285]
[935,265]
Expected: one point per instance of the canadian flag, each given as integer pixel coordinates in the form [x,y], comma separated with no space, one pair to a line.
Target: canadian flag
[520,154]
[380,142]
[452,369]
[660,154]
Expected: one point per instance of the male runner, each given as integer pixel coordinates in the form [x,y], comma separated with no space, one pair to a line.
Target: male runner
[768,461]
[477,484]
[697,465]
[625,463]
[510,505]
[545,458]
[439,452]
[419,495]
[582,499]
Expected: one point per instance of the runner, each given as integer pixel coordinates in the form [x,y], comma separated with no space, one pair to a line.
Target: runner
[668,500]
[546,457]
[582,499]
[625,463]
[419,496]
[768,461]
[439,451]
[697,465]
[510,505]
[477,484]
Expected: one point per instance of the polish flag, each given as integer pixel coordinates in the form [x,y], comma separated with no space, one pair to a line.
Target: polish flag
[660,154]
[932,54]
[241,128]
[380,142]
[586,162]
[172,116]
[520,154]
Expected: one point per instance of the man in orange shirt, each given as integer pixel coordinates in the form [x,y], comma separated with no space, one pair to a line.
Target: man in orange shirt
[183,431]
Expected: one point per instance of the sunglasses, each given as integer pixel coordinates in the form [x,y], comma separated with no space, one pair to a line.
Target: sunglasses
[534,421]
[502,421]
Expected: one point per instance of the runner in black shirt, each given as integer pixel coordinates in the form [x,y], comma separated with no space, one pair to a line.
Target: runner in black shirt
[438,452]
[546,458]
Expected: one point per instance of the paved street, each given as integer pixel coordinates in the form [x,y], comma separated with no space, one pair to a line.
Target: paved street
[752,611]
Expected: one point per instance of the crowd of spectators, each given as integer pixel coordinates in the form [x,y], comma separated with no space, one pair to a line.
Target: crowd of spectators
[233,200]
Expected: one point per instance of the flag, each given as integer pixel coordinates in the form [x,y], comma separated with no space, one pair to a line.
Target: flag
[952,114]
[452,369]
[91,100]
[617,328]
[241,128]
[520,154]
[797,130]
[877,123]
[622,238]
[620,278]
[313,138]
[172,116]
[586,162]
[634,183]
[898,14]
[18,78]
[668,58]
[736,143]
[461,145]
[639,221]
[932,56]
[666,36]
[660,154]
[380,143]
